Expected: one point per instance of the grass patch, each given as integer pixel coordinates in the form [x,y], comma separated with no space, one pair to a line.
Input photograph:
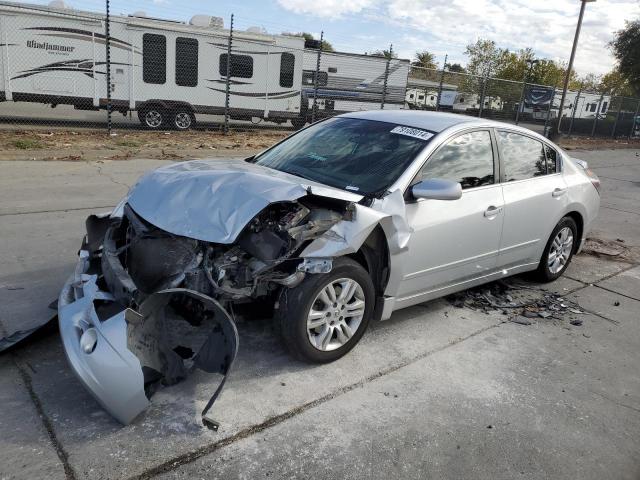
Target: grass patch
[127,143]
[27,144]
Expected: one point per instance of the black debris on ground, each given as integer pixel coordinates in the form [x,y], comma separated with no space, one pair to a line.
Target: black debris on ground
[503,296]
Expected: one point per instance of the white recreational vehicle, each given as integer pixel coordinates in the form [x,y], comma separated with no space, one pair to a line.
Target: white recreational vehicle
[471,101]
[420,98]
[350,82]
[166,71]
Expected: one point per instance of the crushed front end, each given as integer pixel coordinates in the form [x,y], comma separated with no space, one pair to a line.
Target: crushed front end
[145,307]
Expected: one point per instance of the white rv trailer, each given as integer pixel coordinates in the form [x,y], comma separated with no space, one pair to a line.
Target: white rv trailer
[350,82]
[420,98]
[166,71]
[471,101]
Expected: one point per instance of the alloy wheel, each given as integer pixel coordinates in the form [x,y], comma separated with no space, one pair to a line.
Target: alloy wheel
[560,250]
[336,314]
[153,119]
[183,120]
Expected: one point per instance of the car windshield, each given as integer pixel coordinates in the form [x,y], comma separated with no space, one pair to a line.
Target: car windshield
[362,156]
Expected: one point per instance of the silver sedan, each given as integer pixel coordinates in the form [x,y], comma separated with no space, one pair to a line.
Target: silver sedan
[340,224]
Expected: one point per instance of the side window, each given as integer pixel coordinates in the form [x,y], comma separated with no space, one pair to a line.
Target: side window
[308,78]
[467,159]
[241,66]
[522,157]
[287,64]
[186,62]
[552,159]
[154,58]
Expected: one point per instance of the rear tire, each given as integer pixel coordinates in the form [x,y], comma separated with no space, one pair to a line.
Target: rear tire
[341,318]
[152,117]
[183,119]
[559,251]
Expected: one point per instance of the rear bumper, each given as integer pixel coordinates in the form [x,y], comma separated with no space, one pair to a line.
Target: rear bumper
[109,371]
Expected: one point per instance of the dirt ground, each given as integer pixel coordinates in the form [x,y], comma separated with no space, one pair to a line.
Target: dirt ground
[87,145]
[91,145]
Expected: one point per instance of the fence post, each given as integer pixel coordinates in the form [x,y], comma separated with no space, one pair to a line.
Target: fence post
[520,103]
[228,80]
[386,77]
[444,66]
[546,121]
[107,44]
[482,95]
[633,120]
[575,109]
[595,120]
[316,79]
[615,123]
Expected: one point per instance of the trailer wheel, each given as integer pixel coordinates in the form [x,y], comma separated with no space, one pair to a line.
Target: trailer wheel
[183,119]
[152,117]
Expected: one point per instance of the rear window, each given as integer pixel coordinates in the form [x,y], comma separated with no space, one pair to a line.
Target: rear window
[522,157]
[552,160]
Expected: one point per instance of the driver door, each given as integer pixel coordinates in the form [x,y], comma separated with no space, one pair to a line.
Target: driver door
[454,241]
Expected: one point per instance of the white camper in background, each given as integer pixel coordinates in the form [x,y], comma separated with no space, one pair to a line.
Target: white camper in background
[167,71]
[471,101]
[420,98]
[349,82]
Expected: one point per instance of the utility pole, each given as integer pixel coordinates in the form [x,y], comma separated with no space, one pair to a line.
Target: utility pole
[444,66]
[567,76]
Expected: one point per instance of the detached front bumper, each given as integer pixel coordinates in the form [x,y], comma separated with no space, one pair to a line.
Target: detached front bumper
[97,350]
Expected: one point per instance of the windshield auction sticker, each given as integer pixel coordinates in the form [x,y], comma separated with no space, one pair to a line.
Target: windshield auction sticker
[412,132]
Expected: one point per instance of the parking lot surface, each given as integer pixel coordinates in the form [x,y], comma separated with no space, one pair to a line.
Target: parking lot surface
[437,391]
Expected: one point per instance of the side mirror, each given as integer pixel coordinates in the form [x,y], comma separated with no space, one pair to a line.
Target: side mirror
[437,189]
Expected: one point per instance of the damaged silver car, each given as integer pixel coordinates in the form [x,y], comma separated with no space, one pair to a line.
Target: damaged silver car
[341,223]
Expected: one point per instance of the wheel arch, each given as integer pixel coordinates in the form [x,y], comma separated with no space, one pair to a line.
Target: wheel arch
[579,219]
[374,257]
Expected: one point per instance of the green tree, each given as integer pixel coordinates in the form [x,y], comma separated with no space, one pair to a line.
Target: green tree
[626,50]
[384,53]
[456,68]
[484,57]
[615,83]
[326,46]
[425,59]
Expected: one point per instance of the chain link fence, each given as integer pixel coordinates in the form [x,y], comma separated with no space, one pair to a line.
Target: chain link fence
[61,67]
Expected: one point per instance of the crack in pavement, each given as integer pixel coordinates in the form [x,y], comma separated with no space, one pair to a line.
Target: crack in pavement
[110,177]
[190,457]
[72,209]
[46,421]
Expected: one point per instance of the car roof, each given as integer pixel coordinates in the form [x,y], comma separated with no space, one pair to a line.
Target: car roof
[433,121]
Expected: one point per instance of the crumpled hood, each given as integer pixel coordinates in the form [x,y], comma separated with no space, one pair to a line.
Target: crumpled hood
[213,200]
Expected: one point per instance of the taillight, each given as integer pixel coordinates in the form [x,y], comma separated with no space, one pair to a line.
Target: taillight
[594,179]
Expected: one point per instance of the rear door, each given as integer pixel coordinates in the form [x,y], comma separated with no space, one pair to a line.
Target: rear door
[455,240]
[534,197]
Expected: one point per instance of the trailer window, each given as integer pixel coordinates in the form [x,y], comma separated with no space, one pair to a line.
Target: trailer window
[308,78]
[186,62]
[287,63]
[240,66]
[154,58]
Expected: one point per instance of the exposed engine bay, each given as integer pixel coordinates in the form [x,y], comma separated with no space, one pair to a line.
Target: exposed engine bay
[176,291]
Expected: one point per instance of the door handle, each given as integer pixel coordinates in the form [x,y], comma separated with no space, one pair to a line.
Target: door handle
[558,192]
[492,211]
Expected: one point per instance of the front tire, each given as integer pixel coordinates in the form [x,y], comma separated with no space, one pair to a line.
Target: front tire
[559,251]
[325,316]
[153,118]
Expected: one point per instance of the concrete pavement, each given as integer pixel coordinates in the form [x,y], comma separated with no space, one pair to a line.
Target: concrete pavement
[437,391]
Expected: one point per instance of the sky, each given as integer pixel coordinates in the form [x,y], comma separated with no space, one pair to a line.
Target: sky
[439,26]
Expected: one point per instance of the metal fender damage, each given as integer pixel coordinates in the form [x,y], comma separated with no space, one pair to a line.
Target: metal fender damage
[148,302]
